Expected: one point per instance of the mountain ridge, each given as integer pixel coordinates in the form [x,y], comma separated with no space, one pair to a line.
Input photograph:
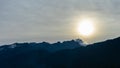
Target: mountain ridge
[68,54]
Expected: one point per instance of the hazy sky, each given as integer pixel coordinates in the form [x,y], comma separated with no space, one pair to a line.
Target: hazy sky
[53,20]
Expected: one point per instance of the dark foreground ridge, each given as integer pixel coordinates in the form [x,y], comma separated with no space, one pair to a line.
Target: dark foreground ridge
[68,54]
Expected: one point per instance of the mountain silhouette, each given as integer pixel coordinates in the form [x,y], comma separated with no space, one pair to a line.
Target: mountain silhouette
[67,54]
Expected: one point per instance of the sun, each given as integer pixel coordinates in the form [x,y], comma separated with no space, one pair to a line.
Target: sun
[86,27]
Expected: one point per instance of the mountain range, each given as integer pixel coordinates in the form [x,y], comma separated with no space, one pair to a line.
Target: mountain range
[67,54]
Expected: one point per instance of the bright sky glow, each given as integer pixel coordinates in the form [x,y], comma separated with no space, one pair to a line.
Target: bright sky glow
[86,27]
[57,20]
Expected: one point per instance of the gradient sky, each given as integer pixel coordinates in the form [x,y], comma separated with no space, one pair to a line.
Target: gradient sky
[53,20]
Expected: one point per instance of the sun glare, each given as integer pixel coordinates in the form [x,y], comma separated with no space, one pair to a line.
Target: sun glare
[86,27]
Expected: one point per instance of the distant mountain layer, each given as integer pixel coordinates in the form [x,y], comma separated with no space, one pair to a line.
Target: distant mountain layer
[68,54]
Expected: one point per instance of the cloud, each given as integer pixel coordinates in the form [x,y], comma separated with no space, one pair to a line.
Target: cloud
[29,17]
